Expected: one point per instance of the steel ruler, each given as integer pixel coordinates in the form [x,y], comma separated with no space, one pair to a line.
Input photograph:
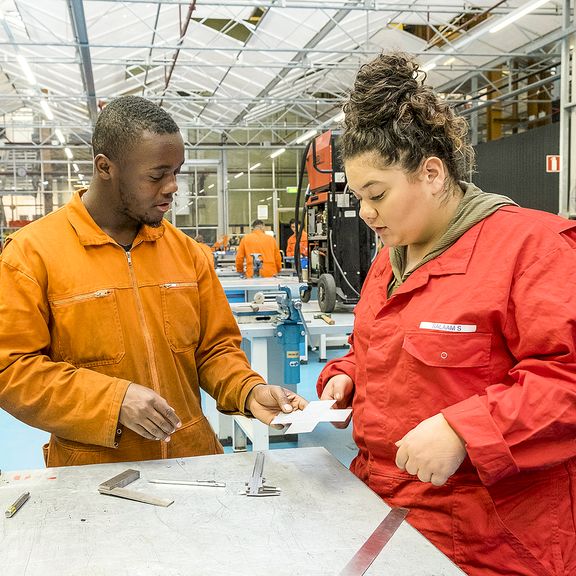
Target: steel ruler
[362,560]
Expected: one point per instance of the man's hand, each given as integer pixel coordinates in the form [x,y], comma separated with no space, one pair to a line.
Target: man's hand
[148,414]
[341,389]
[265,401]
[432,451]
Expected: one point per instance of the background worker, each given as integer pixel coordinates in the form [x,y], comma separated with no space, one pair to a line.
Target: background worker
[111,319]
[205,248]
[462,371]
[222,244]
[258,242]
[291,243]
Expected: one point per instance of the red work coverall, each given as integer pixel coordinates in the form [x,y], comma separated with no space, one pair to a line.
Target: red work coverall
[484,333]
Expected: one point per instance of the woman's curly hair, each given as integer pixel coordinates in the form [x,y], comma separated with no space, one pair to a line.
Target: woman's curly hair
[392,113]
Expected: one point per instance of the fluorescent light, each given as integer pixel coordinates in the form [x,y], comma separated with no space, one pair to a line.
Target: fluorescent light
[81,176]
[68,153]
[306,136]
[75,166]
[46,108]
[430,65]
[277,153]
[338,118]
[450,61]
[211,186]
[60,136]
[239,174]
[516,15]
[255,166]
[26,69]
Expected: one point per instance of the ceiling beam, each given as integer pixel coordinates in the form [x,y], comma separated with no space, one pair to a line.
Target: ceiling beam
[78,21]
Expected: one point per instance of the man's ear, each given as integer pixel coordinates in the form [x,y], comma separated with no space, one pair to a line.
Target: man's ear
[434,173]
[103,166]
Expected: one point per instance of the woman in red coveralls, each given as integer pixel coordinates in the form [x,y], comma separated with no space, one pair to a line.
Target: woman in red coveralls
[462,367]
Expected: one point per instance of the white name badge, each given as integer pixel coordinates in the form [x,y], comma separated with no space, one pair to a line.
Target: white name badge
[448,327]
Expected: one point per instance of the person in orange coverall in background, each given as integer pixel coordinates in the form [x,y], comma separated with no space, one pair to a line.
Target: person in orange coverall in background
[462,367]
[258,242]
[112,319]
[291,242]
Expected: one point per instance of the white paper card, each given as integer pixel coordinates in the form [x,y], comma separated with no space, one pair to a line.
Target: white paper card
[302,421]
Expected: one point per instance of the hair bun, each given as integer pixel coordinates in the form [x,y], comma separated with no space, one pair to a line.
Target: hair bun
[380,89]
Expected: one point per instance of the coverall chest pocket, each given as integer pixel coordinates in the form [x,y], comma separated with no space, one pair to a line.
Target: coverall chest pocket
[449,350]
[181,309]
[86,329]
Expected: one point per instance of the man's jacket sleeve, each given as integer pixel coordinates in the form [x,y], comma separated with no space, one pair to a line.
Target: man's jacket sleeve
[529,420]
[77,404]
[223,369]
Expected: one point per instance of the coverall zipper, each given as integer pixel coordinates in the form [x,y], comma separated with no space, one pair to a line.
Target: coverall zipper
[148,339]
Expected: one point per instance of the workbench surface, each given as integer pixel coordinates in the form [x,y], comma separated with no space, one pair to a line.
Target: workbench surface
[322,518]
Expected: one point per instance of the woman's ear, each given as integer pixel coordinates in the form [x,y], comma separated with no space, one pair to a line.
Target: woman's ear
[434,173]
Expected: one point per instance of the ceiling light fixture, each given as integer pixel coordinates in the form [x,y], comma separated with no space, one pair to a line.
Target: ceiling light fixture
[239,174]
[68,153]
[26,69]
[255,166]
[277,153]
[60,136]
[306,136]
[75,166]
[46,109]
[516,15]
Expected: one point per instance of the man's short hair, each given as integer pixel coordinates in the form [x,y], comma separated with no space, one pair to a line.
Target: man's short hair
[123,120]
[292,221]
[257,223]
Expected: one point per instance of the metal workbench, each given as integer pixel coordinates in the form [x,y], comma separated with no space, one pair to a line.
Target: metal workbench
[322,517]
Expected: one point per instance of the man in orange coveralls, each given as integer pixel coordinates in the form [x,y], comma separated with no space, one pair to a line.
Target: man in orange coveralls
[291,243]
[258,242]
[111,319]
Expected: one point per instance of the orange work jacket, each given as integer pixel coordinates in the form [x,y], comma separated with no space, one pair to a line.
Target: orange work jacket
[208,251]
[81,318]
[291,245]
[259,242]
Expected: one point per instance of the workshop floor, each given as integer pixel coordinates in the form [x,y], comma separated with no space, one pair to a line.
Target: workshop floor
[21,445]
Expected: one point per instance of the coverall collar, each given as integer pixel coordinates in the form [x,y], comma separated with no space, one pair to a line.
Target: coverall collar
[90,234]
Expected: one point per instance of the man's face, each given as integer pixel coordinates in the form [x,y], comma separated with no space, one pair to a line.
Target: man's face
[146,177]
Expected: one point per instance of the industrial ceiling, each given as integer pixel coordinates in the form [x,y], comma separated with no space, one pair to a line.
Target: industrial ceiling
[255,66]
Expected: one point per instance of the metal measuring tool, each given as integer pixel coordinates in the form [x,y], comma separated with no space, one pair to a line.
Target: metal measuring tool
[207,483]
[255,486]
[362,560]
[115,487]
[11,510]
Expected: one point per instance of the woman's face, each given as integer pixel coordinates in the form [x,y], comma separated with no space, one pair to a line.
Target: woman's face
[401,209]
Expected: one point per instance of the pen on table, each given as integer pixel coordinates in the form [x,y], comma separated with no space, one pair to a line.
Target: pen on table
[11,510]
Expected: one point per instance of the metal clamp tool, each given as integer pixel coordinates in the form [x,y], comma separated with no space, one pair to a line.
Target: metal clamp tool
[255,486]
